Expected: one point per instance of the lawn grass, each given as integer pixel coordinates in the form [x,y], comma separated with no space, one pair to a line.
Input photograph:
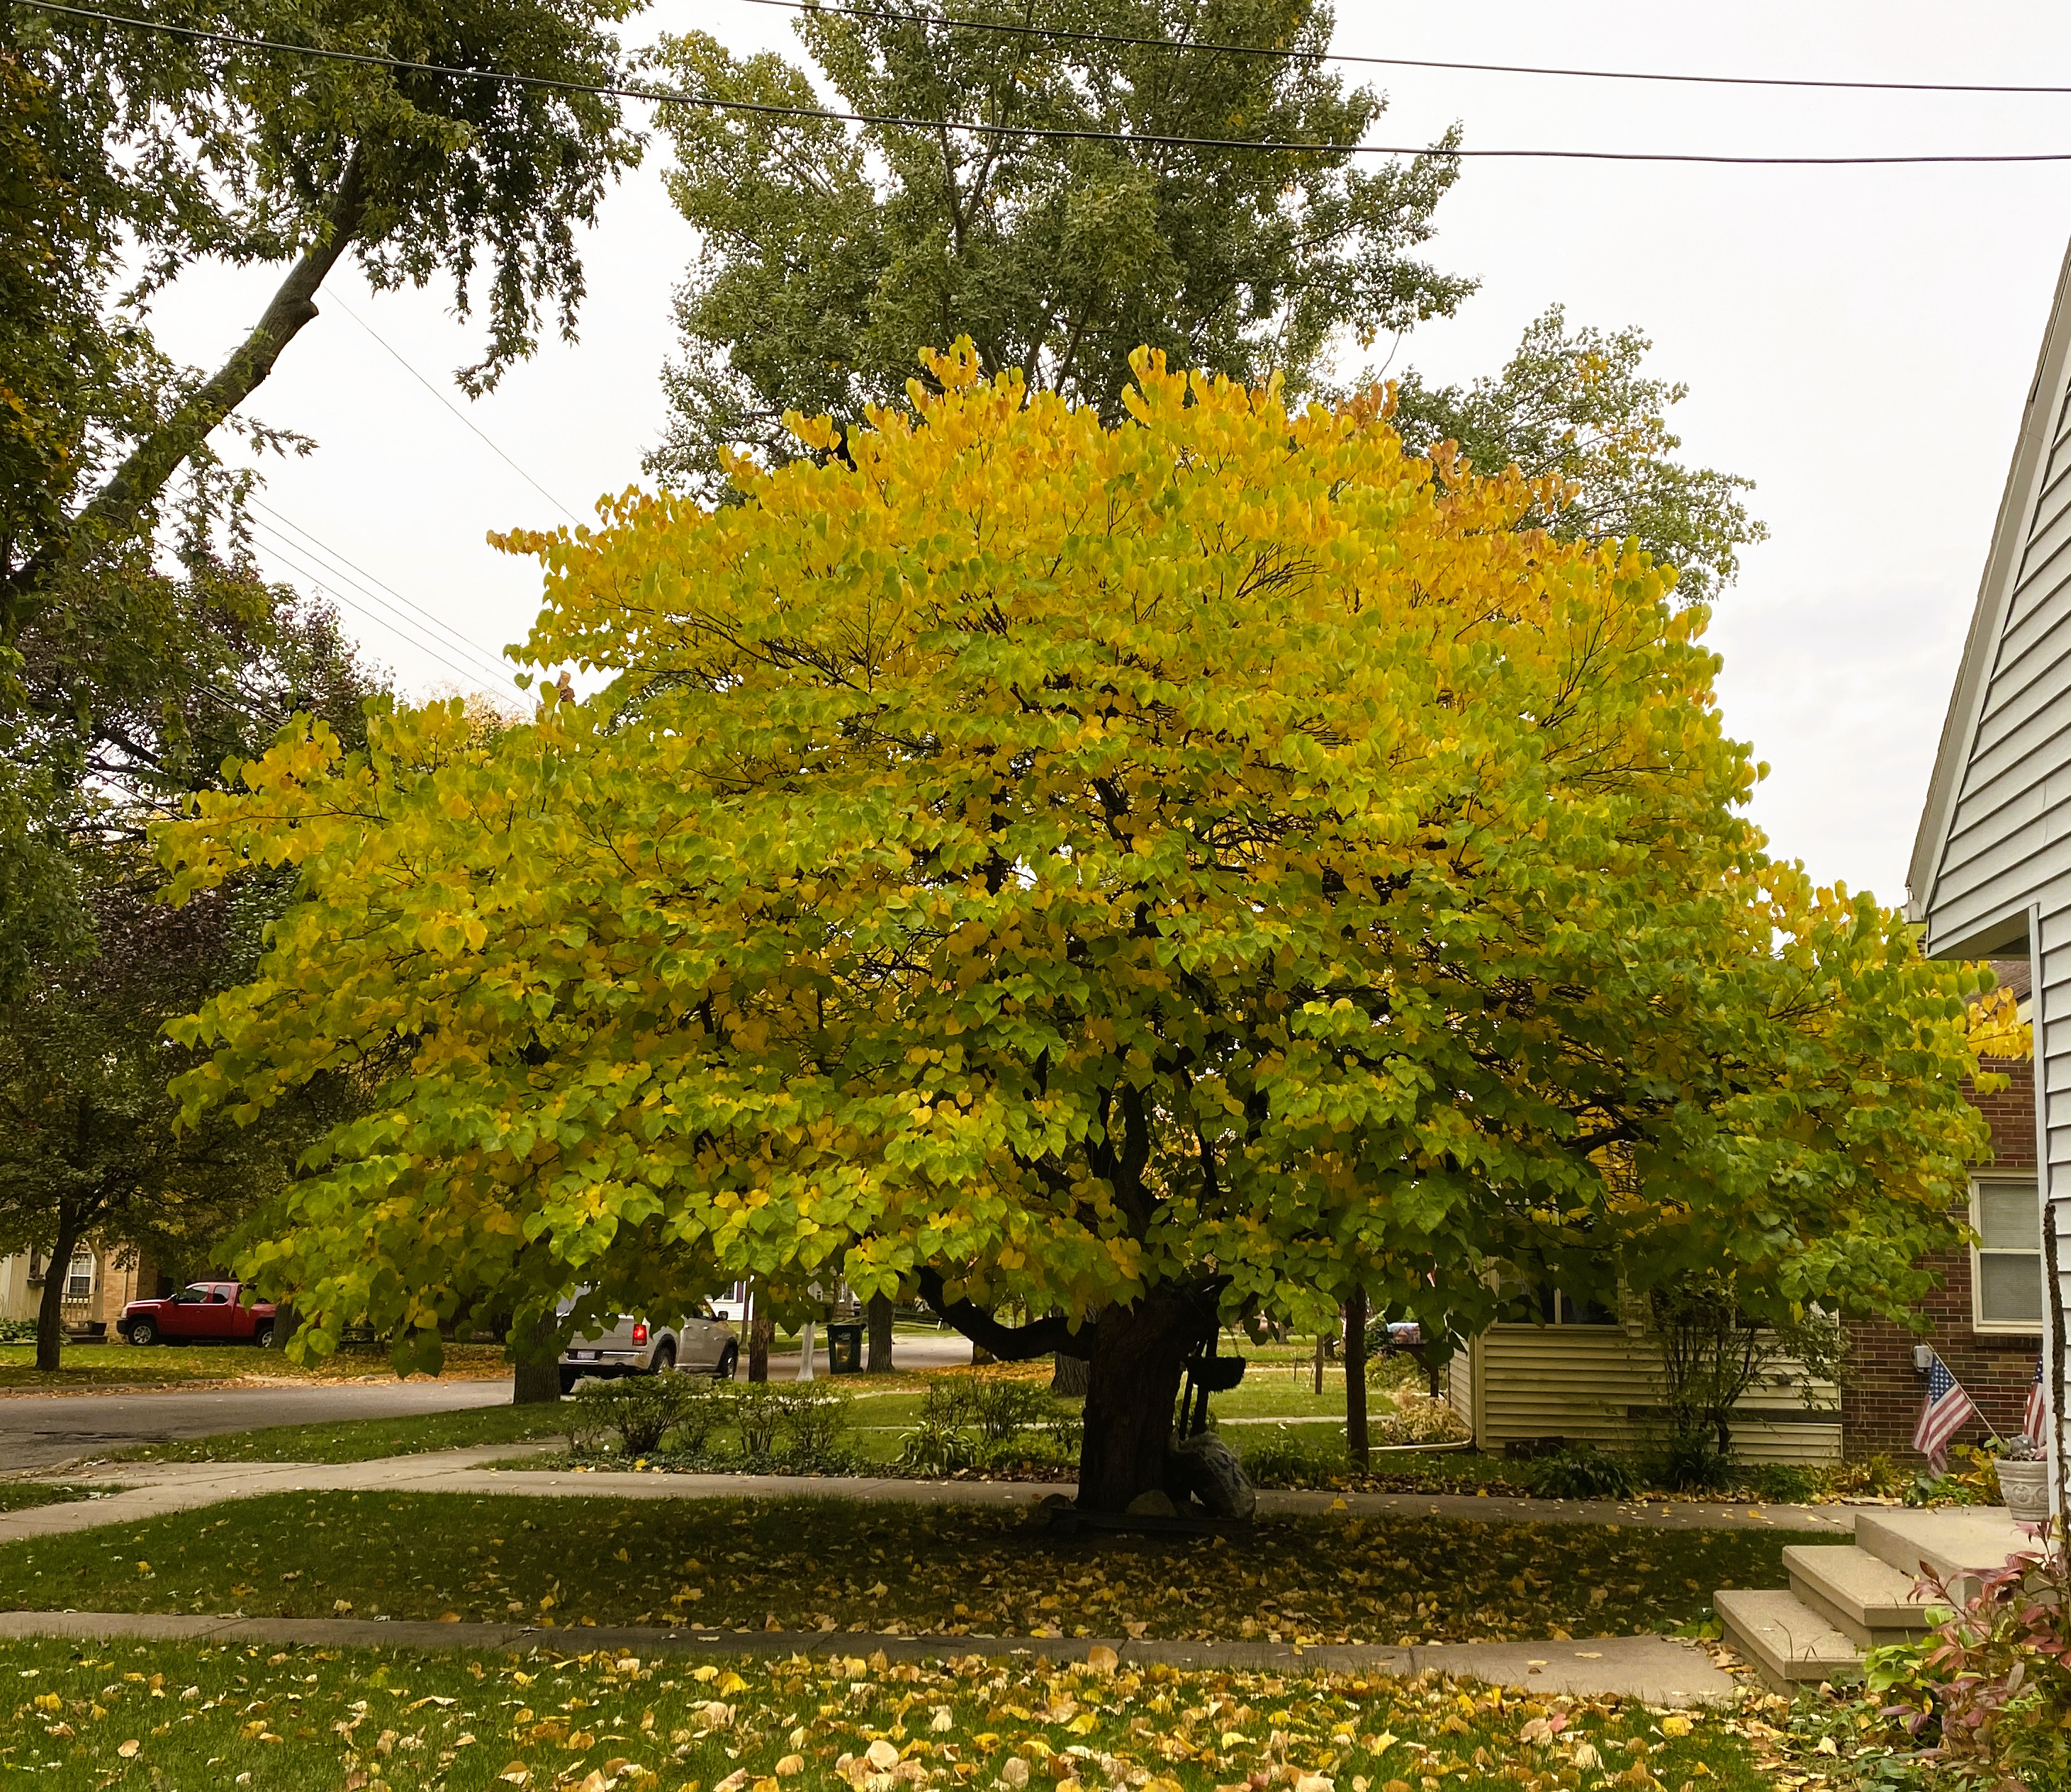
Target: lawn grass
[157,1715]
[93,1366]
[807,1564]
[21,1496]
[359,1440]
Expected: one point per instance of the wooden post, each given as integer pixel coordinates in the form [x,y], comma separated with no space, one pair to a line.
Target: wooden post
[880,1335]
[1319,1364]
[1355,1437]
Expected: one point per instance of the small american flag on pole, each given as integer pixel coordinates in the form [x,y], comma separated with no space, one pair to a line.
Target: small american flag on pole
[1943,1415]
[2033,1420]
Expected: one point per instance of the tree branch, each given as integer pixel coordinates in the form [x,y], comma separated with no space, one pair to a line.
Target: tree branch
[1011,1344]
[140,478]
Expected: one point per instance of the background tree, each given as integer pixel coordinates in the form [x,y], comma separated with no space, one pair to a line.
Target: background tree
[829,255]
[127,155]
[1574,413]
[91,1148]
[1123,875]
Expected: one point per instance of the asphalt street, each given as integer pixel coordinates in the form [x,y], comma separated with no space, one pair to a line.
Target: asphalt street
[38,1429]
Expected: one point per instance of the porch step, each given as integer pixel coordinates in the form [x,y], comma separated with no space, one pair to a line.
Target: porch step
[1785,1639]
[1957,1543]
[1859,1594]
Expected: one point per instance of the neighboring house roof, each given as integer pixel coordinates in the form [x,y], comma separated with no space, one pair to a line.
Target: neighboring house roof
[1997,825]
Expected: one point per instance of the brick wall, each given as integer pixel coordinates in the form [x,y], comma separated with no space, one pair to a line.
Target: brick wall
[1881,1395]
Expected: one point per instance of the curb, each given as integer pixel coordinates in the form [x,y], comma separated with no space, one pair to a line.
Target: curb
[1660,1671]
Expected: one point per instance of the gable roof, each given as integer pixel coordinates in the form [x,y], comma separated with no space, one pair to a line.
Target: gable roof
[1974,933]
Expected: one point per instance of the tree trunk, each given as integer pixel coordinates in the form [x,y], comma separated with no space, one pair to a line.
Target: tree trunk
[1139,1358]
[49,1313]
[880,1335]
[536,1376]
[1071,1377]
[1355,1438]
[761,1333]
[137,483]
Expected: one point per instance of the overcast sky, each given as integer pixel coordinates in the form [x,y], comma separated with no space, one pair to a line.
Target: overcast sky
[1857,341]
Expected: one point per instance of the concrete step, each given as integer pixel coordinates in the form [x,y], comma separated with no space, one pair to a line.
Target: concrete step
[1957,1543]
[1788,1643]
[1860,1594]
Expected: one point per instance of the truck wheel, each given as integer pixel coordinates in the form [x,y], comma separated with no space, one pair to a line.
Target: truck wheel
[143,1331]
[727,1358]
[264,1337]
[664,1357]
[569,1377]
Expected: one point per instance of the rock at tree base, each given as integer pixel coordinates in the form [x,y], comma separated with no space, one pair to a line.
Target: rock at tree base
[1156,1503]
[1208,1468]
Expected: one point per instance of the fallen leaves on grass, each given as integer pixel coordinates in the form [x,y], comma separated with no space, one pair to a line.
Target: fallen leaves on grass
[832,1565]
[603,1722]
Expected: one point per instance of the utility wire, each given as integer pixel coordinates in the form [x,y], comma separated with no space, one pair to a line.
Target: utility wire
[311,544]
[1065,35]
[448,403]
[1030,132]
[282,549]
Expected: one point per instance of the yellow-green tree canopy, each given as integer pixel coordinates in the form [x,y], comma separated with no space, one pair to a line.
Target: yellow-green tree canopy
[1113,874]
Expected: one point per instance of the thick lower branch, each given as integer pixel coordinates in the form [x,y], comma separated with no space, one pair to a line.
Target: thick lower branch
[138,480]
[1011,1344]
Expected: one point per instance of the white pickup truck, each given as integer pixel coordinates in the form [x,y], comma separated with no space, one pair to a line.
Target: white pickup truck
[700,1341]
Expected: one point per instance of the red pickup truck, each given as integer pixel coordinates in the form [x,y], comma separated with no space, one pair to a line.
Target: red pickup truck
[208,1311]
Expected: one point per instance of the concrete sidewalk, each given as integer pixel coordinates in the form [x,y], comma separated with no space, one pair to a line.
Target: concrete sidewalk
[154,1488]
[1658,1671]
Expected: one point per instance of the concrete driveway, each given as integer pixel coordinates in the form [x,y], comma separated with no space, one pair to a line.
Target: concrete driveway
[38,1429]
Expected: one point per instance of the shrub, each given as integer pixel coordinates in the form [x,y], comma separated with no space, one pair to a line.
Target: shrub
[758,1416]
[18,1332]
[1785,1483]
[1876,1474]
[1988,1692]
[1692,1464]
[641,1409]
[1584,1474]
[1002,1407]
[1282,1458]
[814,1421]
[1411,1417]
[932,1447]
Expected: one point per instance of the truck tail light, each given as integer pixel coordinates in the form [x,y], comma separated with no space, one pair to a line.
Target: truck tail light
[640,1331]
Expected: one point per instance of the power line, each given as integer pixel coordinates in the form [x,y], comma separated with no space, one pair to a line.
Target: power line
[456,410]
[493,660]
[1062,34]
[283,549]
[1030,132]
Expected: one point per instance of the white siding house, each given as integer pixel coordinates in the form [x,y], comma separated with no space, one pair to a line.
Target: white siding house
[1991,875]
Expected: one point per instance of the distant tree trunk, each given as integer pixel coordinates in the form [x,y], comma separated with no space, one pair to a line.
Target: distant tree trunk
[880,1335]
[72,1220]
[761,1332]
[1319,1363]
[980,1356]
[535,1375]
[1072,1377]
[1355,1438]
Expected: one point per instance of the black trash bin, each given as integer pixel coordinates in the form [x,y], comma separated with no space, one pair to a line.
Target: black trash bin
[844,1347]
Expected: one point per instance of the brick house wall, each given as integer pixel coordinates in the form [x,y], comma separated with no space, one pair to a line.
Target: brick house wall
[1881,1391]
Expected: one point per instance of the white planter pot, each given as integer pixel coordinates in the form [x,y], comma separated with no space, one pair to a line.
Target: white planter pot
[2025,1488]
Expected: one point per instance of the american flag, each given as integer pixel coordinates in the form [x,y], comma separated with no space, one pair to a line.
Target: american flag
[2033,1420]
[1947,1408]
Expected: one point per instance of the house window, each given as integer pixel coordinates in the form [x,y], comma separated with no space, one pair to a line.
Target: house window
[1557,1307]
[2006,1263]
[79,1279]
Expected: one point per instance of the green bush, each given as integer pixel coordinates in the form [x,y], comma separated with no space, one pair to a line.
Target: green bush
[1692,1464]
[641,1410]
[1786,1483]
[1282,1458]
[1002,1407]
[18,1332]
[759,1416]
[815,1420]
[933,1447]
[1584,1474]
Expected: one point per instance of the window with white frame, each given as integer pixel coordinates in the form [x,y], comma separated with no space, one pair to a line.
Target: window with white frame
[79,1279]
[2006,1263]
